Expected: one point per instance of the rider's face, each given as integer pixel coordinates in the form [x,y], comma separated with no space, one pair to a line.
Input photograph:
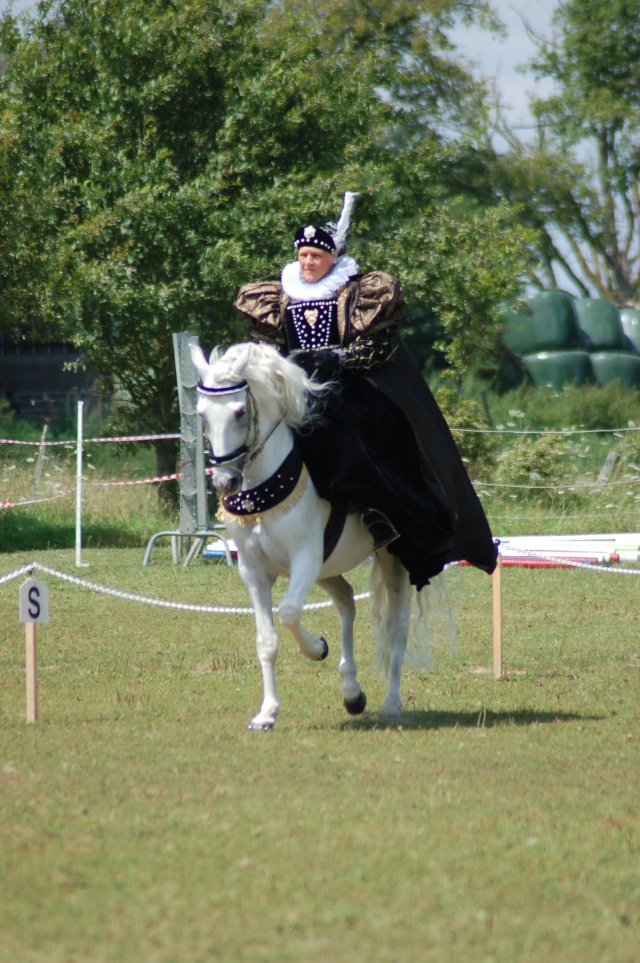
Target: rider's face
[315,263]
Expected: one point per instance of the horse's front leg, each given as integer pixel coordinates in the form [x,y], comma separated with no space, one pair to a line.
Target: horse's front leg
[303,573]
[259,586]
[342,597]
[398,594]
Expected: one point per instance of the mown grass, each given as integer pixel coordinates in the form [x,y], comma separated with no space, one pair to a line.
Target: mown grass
[142,821]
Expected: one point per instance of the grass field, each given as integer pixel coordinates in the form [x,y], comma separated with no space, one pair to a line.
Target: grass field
[141,821]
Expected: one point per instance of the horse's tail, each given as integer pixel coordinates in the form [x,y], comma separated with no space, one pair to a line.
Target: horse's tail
[379,605]
[432,620]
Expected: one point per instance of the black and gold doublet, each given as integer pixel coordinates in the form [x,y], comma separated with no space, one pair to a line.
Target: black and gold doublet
[367,312]
[383,443]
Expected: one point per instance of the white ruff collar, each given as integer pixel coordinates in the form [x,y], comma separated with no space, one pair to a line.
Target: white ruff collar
[300,290]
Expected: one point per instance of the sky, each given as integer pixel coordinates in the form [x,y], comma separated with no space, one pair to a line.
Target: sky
[500,59]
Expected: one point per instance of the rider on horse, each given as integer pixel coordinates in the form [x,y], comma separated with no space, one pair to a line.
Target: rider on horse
[381,444]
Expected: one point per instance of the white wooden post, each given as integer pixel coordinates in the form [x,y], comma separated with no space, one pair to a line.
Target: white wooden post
[497,620]
[79,488]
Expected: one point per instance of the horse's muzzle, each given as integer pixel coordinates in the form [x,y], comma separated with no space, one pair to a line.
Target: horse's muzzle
[226,481]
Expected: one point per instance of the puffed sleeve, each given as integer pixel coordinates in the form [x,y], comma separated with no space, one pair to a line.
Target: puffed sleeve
[380,304]
[259,303]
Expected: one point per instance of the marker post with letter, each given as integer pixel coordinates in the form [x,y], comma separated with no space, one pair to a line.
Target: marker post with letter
[34,609]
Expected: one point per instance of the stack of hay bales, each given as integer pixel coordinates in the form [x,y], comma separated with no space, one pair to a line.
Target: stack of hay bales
[565,340]
[630,320]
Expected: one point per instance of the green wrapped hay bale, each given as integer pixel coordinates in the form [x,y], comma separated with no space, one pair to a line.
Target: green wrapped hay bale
[630,321]
[547,321]
[599,321]
[611,365]
[554,369]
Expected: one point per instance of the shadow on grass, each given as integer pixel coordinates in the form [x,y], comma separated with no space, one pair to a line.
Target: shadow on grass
[483,719]
[26,534]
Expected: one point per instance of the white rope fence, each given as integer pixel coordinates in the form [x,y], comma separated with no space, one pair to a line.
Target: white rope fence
[30,618]
[30,567]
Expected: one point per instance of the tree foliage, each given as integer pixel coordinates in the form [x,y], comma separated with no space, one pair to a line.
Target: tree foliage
[579,181]
[463,268]
[157,154]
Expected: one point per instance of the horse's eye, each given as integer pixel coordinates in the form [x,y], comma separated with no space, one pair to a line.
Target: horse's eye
[240,412]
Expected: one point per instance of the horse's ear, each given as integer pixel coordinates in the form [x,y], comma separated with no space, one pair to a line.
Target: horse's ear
[242,360]
[199,360]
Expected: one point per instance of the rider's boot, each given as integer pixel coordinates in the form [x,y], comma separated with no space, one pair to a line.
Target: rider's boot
[380,528]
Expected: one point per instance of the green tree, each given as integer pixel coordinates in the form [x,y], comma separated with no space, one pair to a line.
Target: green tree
[462,268]
[578,181]
[158,154]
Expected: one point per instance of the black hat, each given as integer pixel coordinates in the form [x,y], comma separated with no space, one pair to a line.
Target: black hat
[311,236]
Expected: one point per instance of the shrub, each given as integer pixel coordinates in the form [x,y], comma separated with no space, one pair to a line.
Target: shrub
[478,448]
[629,450]
[590,406]
[545,461]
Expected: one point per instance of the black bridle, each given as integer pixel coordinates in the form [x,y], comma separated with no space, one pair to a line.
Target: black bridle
[238,459]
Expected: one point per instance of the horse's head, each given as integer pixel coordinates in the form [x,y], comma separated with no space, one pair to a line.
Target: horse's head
[226,408]
[245,392]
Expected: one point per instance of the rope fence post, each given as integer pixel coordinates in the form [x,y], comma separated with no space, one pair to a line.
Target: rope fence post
[33,608]
[31,664]
[497,619]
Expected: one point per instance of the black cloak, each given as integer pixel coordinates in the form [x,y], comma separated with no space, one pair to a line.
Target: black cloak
[381,441]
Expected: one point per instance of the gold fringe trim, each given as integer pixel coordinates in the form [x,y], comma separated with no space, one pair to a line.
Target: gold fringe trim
[246,521]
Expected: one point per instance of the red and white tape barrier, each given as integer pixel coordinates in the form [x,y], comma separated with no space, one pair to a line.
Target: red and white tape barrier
[134,481]
[36,501]
[85,441]
[108,484]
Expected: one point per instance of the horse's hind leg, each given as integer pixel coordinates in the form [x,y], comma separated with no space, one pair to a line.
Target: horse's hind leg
[396,580]
[342,597]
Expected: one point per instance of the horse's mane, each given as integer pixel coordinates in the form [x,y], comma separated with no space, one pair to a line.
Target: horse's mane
[272,379]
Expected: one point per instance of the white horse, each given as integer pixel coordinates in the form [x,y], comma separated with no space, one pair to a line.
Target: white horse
[250,399]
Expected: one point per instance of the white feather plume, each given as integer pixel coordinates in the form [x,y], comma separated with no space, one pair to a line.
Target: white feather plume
[344,221]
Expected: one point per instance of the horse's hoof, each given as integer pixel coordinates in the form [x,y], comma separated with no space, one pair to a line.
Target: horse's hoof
[389,714]
[325,649]
[356,706]
[260,726]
